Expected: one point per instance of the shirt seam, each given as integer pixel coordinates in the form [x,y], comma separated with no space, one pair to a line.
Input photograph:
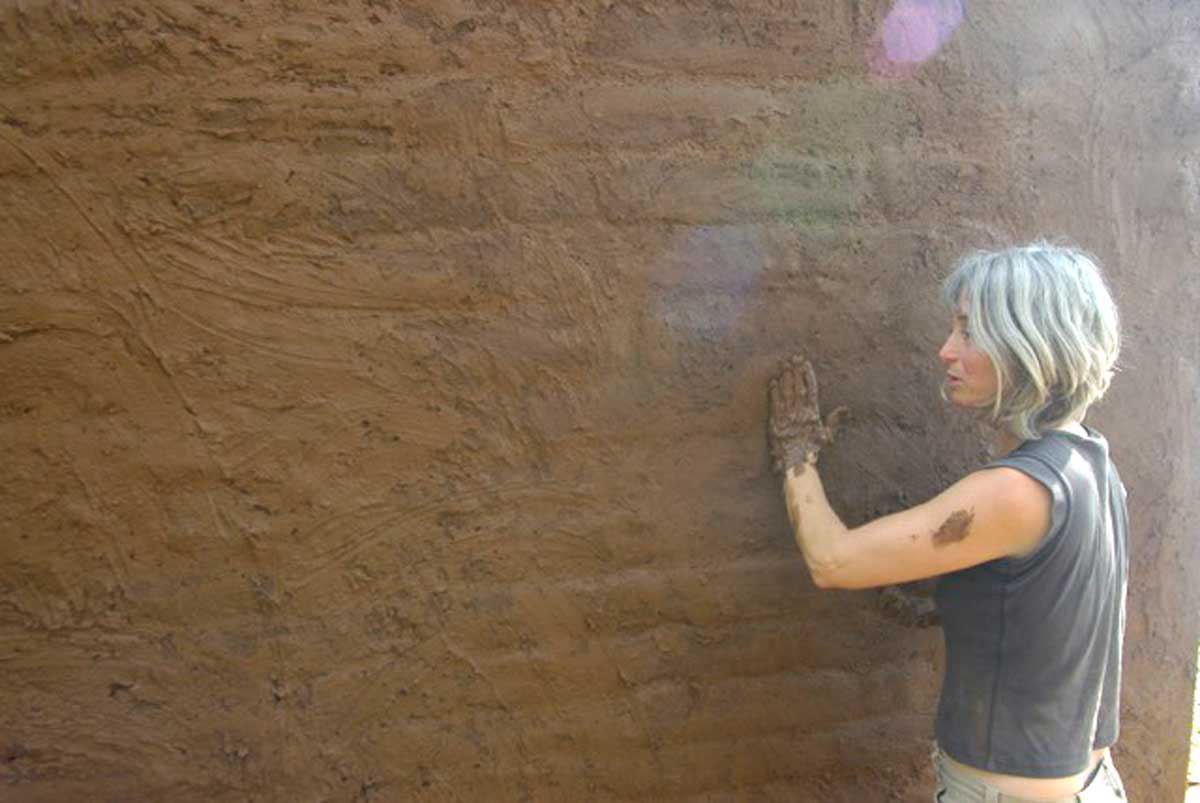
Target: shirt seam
[999,671]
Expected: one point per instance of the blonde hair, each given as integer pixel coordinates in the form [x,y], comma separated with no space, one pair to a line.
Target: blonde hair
[1044,316]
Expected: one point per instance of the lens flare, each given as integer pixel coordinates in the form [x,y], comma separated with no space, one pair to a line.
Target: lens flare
[719,270]
[912,33]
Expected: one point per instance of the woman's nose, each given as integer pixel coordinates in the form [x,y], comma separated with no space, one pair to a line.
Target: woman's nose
[946,353]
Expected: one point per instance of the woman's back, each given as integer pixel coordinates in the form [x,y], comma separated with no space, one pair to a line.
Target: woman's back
[1033,643]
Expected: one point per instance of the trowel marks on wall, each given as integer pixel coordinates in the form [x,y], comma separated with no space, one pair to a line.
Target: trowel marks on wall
[913,32]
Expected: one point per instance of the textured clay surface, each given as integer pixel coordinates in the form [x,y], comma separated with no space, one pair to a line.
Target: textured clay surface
[383,394]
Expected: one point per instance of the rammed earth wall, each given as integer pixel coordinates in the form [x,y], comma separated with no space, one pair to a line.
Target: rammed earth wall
[384,383]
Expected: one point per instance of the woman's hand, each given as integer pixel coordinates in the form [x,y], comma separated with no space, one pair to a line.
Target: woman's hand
[795,429]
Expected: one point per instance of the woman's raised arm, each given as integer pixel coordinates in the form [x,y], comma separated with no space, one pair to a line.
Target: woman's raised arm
[988,514]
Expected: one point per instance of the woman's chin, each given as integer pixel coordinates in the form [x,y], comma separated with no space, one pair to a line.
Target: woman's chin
[957,397]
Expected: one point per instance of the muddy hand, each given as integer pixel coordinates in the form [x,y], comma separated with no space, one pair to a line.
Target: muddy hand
[795,429]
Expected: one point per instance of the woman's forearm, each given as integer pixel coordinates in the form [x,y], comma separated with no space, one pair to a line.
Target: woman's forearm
[815,525]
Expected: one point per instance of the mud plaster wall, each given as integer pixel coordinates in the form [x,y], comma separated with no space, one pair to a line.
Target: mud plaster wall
[383,384]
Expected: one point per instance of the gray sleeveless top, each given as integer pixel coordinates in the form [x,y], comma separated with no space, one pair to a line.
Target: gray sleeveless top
[1033,644]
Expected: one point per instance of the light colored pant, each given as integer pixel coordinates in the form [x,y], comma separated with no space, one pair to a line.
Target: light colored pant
[955,787]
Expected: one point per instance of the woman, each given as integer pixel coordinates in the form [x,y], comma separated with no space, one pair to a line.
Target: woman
[1030,550]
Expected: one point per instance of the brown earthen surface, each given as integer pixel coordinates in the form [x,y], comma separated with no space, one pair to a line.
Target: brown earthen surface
[383,392]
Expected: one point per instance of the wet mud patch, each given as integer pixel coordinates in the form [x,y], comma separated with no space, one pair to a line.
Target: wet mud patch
[955,528]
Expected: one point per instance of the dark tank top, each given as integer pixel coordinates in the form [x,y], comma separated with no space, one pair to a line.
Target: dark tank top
[1033,644]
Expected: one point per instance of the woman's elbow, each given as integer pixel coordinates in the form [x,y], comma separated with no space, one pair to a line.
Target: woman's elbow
[822,581]
[825,577]
[834,577]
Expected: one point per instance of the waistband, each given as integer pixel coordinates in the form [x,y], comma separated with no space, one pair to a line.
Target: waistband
[971,788]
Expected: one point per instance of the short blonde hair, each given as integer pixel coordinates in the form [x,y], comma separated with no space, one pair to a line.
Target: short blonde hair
[1045,317]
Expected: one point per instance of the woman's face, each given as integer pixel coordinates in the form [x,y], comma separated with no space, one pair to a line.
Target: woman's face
[970,378]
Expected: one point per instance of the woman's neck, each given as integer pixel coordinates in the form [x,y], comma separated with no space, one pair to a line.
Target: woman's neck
[1002,441]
